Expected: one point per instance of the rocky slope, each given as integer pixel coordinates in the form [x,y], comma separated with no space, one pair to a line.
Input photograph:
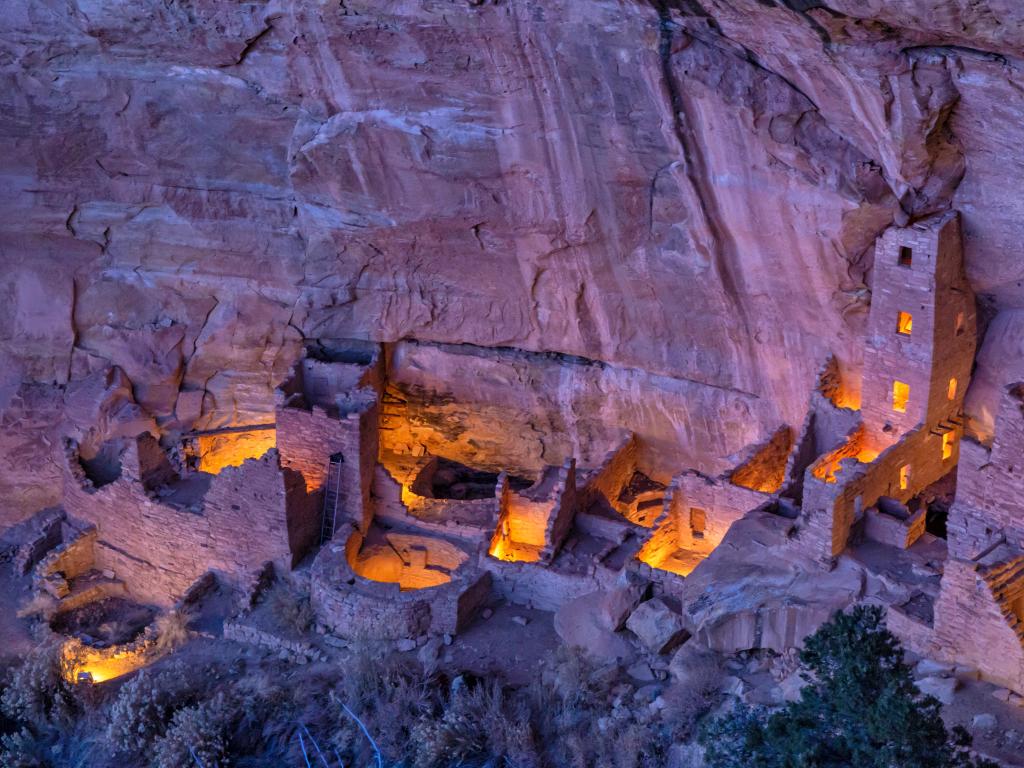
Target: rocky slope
[682,194]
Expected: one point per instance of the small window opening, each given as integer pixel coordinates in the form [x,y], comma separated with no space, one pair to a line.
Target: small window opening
[947,445]
[959,323]
[904,477]
[904,322]
[951,390]
[906,256]
[698,520]
[900,396]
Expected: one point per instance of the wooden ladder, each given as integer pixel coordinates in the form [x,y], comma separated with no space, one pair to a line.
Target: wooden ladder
[332,492]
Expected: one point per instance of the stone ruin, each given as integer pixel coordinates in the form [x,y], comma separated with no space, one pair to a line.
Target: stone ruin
[405,542]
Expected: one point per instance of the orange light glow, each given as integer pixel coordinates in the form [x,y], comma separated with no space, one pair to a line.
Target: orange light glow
[662,551]
[510,551]
[904,323]
[951,390]
[867,455]
[904,477]
[900,396]
[522,531]
[410,560]
[947,445]
[231,449]
[829,464]
[101,664]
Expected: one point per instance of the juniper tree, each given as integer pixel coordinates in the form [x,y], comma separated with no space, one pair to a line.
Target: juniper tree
[858,709]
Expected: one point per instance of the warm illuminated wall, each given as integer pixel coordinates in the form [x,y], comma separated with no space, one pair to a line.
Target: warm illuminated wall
[230,449]
[104,663]
[409,560]
[765,471]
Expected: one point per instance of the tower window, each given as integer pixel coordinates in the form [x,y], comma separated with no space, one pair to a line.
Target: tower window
[947,445]
[959,323]
[904,322]
[900,396]
[698,520]
[904,477]
[906,257]
[951,390]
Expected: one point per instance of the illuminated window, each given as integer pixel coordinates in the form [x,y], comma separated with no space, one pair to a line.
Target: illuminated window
[906,256]
[698,520]
[904,477]
[959,323]
[947,445]
[904,322]
[900,396]
[951,390]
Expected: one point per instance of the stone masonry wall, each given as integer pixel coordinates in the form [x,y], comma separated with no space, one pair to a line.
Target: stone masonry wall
[940,345]
[159,550]
[721,502]
[831,508]
[307,440]
[358,608]
[989,501]
[72,558]
[971,627]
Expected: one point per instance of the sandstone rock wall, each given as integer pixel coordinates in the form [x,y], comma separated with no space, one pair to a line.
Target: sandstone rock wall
[685,193]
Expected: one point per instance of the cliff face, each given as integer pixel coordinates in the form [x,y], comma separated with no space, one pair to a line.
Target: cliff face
[682,196]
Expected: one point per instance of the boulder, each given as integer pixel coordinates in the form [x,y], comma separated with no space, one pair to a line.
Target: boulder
[1003,694]
[641,672]
[621,600]
[942,688]
[931,668]
[790,687]
[579,625]
[430,652]
[658,626]
[984,723]
[693,661]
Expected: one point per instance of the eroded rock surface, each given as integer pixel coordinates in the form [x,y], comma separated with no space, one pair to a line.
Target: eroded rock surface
[683,197]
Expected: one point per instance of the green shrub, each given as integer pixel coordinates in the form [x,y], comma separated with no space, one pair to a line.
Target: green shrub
[859,709]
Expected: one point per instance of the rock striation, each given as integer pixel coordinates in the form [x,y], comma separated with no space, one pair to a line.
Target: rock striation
[683,197]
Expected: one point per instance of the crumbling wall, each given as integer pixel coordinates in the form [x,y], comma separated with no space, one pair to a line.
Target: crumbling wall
[721,503]
[158,550]
[975,623]
[613,473]
[989,503]
[895,531]
[765,469]
[533,523]
[231,447]
[72,558]
[826,427]
[981,601]
[830,508]
[471,519]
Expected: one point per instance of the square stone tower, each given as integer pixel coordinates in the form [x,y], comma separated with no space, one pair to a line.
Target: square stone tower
[921,327]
